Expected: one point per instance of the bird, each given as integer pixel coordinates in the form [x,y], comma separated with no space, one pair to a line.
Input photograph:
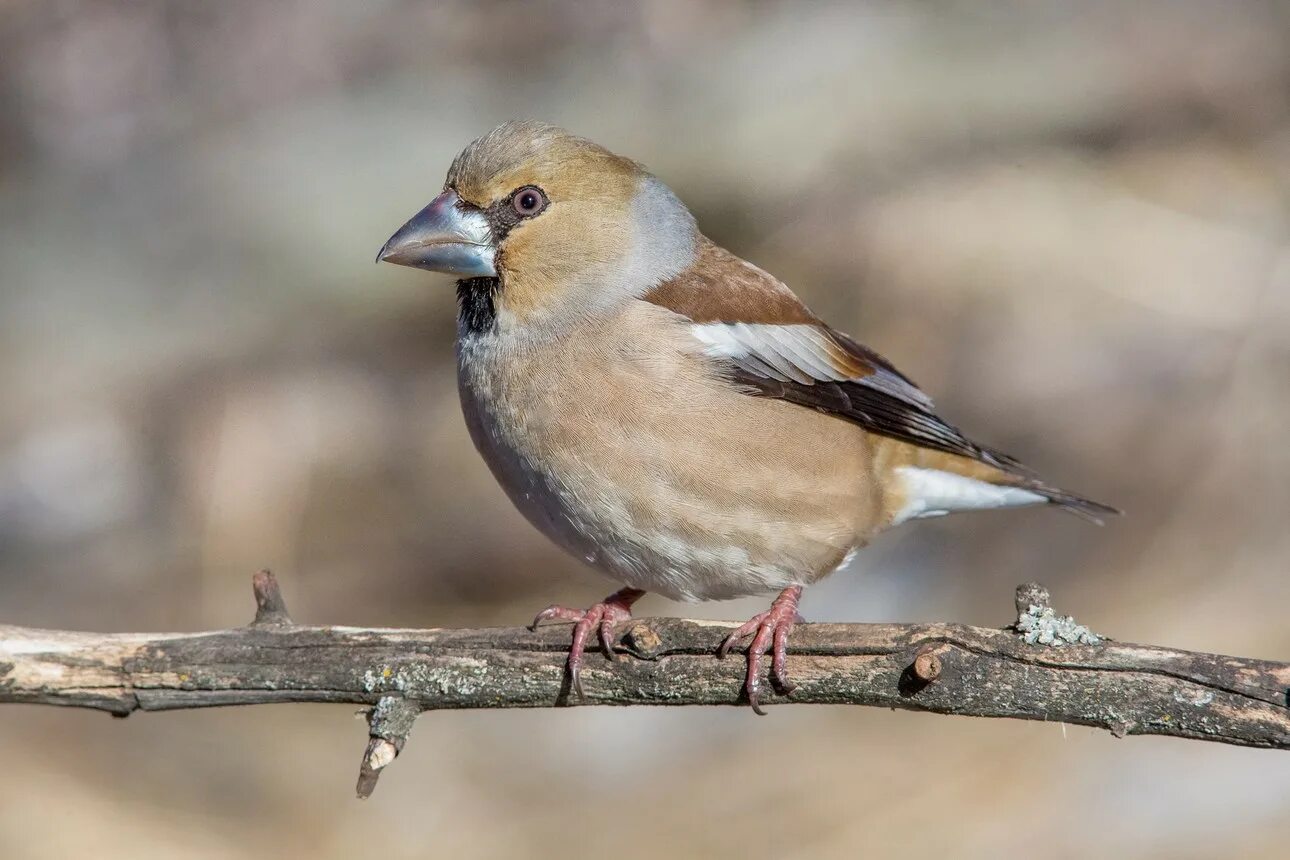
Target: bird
[668,412]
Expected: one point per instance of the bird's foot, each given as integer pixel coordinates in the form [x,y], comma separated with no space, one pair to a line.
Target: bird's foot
[770,631]
[602,617]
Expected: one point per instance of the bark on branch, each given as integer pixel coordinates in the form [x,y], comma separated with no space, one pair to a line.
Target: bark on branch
[942,668]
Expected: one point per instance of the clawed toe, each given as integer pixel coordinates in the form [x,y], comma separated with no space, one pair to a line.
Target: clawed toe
[770,630]
[555,612]
[602,617]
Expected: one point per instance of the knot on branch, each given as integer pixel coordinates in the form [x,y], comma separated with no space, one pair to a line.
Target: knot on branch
[642,641]
[925,668]
[927,665]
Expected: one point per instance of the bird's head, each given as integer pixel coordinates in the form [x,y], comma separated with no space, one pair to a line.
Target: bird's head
[546,228]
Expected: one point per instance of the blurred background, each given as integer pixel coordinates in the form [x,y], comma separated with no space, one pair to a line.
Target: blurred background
[1069,222]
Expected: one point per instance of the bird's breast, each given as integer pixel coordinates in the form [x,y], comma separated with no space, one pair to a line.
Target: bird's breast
[627,450]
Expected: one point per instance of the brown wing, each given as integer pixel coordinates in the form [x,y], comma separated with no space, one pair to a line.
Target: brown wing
[775,347]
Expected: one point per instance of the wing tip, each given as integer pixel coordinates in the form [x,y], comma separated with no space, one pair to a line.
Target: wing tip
[1084,508]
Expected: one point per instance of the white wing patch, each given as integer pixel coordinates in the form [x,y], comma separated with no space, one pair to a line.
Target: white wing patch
[800,352]
[933,493]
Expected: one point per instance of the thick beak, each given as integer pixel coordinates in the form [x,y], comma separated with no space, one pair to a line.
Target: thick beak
[447,236]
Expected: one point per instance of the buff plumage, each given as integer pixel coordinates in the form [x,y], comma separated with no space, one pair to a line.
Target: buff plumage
[664,410]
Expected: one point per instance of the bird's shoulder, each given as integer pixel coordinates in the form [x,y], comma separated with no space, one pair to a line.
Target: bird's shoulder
[719,286]
[747,316]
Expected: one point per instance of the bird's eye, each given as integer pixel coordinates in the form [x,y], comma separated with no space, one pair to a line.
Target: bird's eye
[529,200]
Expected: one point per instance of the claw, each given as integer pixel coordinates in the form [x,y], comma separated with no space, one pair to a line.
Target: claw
[779,658]
[602,617]
[606,634]
[770,631]
[555,612]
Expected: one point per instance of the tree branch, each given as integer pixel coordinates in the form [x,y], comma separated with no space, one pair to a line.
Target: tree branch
[1026,671]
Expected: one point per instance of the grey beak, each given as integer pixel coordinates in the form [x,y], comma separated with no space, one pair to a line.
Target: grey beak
[446,236]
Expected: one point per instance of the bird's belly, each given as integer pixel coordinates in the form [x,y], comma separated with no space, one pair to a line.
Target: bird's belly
[671,499]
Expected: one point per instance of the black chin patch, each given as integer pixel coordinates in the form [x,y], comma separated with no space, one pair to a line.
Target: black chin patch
[475,307]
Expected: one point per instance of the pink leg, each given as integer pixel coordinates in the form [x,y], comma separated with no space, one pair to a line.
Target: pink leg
[770,631]
[603,616]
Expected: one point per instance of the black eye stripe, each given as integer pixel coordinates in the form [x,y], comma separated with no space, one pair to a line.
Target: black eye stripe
[504,214]
[502,217]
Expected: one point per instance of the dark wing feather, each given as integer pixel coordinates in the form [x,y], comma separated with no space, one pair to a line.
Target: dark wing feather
[880,413]
[888,416]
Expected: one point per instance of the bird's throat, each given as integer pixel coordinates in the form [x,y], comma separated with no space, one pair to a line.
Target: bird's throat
[476,309]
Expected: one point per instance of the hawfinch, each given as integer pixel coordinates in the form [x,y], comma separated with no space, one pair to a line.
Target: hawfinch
[666,411]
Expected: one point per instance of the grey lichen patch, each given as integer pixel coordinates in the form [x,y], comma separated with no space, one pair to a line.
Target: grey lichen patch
[1198,698]
[385,708]
[455,678]
[392,718]
[465,678]
[375,680]
[1039,625]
